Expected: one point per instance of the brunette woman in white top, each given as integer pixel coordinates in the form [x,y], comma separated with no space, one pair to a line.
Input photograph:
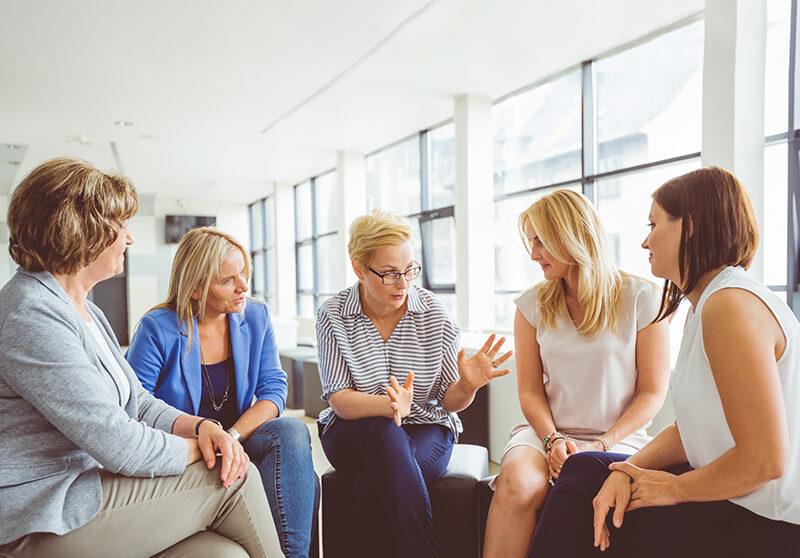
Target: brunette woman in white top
[592,367]
[732,481]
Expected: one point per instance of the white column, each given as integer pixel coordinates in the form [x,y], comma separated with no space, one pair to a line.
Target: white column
[474,213]
[284,250]
[733,97]
[351,193]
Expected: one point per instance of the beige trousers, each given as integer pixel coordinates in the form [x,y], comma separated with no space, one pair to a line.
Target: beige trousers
[179,516]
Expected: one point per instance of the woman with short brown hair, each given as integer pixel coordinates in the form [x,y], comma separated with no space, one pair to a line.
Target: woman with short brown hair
[92,464]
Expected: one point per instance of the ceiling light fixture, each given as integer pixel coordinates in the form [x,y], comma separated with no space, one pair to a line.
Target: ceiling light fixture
[14,163]
[123,123]
[13,146]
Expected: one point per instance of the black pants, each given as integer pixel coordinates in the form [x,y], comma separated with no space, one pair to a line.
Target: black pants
[704,529]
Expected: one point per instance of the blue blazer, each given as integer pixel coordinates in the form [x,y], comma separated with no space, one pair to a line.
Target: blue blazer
[158,356]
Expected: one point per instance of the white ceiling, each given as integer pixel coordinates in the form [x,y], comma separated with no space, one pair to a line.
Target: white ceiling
[200,79]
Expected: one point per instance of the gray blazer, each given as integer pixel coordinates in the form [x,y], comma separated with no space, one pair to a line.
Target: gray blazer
[61,417]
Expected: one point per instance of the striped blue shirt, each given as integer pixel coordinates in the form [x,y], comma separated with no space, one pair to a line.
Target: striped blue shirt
[353,355]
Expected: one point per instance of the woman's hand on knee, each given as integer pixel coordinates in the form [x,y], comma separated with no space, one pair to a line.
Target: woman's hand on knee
[615,493]
[214,441]
[556,457]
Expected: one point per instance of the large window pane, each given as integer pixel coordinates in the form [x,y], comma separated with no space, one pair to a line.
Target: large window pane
[256,226]
[439,236]
[776,91]
[302,197]
[327,261]
[271,286]
[537,136]
[649,100]
[305,306]
[325,187]
[393,178]
[269,220]
[624,205]
[443,167]
[774,233]
[305,267]
[258,274]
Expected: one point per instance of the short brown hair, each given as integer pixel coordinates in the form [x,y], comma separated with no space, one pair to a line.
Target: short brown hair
[376,230]
[65,213]
[718,227]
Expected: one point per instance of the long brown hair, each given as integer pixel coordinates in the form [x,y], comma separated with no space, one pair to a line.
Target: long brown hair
[718,227]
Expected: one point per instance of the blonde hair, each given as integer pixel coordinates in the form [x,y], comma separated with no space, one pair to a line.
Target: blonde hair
[569,228]
[200,255]
[374,231]
[65,213]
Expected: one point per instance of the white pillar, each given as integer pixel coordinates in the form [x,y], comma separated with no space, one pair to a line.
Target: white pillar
[351,193]
[284,250]
[733,97]
[474,213]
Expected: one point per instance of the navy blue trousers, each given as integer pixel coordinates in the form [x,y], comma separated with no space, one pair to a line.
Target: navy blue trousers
[390,468]
[696,529]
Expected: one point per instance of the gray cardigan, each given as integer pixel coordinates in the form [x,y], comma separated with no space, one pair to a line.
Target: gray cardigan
[61,417]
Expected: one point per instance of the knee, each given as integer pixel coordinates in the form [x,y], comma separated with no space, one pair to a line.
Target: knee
[521,486]
[585,465]
[287,433]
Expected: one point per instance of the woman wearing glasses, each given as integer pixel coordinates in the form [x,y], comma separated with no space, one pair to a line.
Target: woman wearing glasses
[393,374]
[210,351]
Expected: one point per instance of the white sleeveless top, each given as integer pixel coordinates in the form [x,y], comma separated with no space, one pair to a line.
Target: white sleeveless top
[698,408]
[591,381]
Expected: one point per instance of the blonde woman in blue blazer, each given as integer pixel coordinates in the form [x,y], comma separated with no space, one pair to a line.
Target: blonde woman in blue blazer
[210,351]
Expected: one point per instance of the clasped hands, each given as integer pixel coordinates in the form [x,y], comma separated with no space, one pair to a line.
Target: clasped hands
[562,449]
[629,488]
[213,441]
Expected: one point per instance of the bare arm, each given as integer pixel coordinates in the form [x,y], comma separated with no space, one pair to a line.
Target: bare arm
[350,404]
[652,363]
[261,412]
[530,378]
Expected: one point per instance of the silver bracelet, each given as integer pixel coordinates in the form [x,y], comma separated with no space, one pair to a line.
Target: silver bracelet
[234,434]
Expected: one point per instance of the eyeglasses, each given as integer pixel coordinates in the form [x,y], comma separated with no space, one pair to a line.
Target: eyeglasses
[392,277]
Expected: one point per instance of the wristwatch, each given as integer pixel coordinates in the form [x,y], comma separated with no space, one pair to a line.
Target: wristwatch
[234,434]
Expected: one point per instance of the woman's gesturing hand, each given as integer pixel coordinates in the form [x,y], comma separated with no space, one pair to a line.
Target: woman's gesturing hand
[482,366]
[401,397]
[211,440]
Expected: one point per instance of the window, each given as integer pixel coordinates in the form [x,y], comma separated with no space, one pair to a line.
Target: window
[316,242]
[416,178]
[643,109]
[262,252]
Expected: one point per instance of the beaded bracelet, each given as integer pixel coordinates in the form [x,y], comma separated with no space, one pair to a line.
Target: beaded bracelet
[552,437]
[603,441]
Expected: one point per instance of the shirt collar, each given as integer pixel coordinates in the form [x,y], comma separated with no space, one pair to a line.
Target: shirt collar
[352,303]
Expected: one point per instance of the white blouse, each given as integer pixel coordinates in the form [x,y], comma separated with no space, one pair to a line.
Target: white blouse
[591,381]
[698,409]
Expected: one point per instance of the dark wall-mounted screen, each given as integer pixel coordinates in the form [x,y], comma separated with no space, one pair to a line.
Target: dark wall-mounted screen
[178,225]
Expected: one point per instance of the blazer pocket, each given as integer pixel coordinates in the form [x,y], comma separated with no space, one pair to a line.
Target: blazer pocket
[21,474]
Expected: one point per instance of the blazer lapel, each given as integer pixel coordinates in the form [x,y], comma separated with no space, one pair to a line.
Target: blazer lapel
[240,346]
[190,366]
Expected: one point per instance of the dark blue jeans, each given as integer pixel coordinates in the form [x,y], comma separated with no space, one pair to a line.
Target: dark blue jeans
[696,529]
[281,448]
[391,468]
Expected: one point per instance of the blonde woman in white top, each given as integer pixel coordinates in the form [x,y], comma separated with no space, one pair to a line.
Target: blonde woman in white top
[592,368]
[732,481]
